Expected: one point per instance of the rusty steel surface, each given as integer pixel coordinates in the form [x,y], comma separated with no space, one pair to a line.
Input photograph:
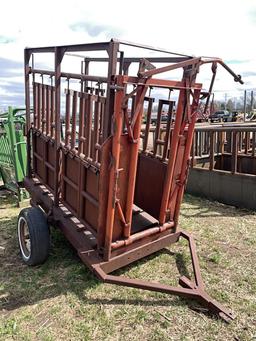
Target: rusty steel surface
[102,172]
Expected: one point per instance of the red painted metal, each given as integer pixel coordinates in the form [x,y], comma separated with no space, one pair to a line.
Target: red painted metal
[101,171]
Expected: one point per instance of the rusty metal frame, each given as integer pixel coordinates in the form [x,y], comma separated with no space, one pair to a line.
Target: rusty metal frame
[101,171]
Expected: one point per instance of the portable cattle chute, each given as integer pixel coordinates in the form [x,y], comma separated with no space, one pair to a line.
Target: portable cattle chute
[98,169]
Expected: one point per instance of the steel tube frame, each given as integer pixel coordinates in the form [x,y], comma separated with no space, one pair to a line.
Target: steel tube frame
[114,172]
[131,246]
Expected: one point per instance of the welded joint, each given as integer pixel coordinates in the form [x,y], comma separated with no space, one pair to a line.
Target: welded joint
[116,87]
[210,303]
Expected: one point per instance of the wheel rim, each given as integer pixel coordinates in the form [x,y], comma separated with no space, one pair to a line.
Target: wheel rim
[24,238]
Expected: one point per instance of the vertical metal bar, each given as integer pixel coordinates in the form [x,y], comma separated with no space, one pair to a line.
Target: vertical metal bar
[222,145]
[214,69]
[121,62]
[174,147]
[141,92]
[193,152]
[222,141]
[252,100]
[43,108]
[168,128]
[253,143]
[240,141]
[147,128]
[126,67]
[185,161]
[217,142]
[95,150]
[102,110]
[200,143]
[133,99]
[206,142]
[34,92]
[158,126]
[245,98]
[247,141]
[112,52]
[52,111]
[67,121]
[212,149]
[27,55]
[196,143]
[113,174]
[73,132]
[35,107]
[243,141]
[82,113]
[86,72]
[47,110]
[81,81]
[229,141]
[39,106]
[58,58]
[234,153]
[88,128]
[82,174]
[203,142]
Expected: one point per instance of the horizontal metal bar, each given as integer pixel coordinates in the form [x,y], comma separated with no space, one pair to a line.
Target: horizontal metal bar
[148,47]
[250,128]
[141,248]
[131,59]
[100,47]
[71,183]
[39,157]
[160,83]
[90,198]
[42,72]
[142,234]
[99,79]
[77,47]
[48,165]
[41,49]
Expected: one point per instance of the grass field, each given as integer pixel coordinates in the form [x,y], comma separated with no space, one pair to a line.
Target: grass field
[61,300]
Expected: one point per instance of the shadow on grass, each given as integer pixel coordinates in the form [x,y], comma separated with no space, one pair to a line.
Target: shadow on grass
[204,208]
[7,199]
[21,285]
[63,272]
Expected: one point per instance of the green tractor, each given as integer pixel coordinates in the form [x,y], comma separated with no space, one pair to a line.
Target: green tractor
[13,152]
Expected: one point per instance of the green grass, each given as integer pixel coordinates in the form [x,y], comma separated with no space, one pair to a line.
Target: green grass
[62,300]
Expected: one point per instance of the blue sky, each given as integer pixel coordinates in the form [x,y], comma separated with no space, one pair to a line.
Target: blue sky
[224,29]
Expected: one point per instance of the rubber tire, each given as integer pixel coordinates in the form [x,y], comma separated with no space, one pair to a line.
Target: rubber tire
[39,235]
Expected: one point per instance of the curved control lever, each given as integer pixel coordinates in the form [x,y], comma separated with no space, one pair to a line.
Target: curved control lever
[190,62]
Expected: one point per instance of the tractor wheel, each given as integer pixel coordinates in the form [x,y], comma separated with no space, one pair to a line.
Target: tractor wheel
[33,235]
